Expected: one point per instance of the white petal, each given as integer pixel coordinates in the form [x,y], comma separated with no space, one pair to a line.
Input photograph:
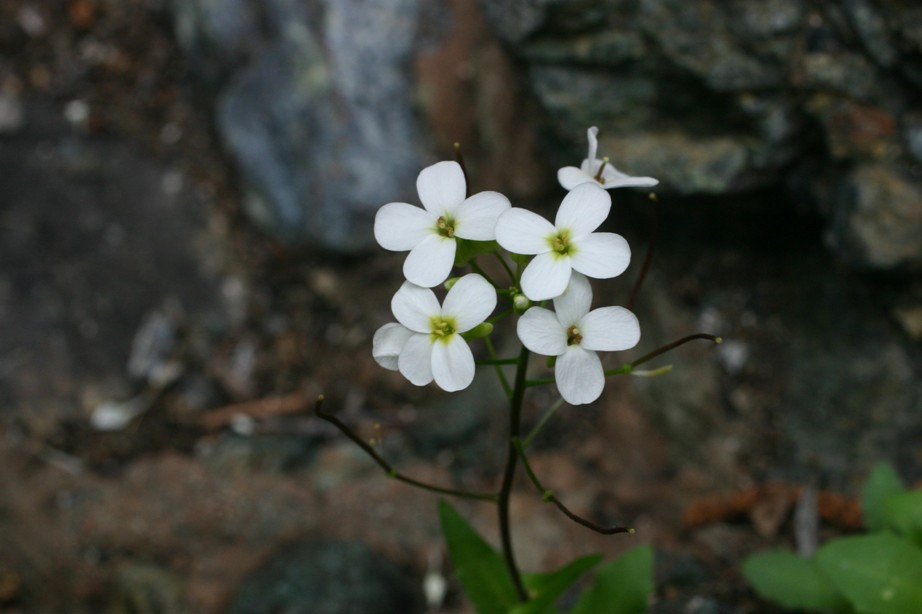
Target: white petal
[400,226]
[613,178]
[522,232]
[429,263]
[610,329]
[441,187]
[414,307]
[546,276]
[476,218]
[452,364]
[579,375]
[469,301]
[592,134]
[541,332]
[388,342]
[583,209]
[569,177]
[601,255]
[415,361]
[574,303]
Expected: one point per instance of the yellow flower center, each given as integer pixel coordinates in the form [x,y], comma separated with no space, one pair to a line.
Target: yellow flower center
[445,226]
[560,243]
[442,328]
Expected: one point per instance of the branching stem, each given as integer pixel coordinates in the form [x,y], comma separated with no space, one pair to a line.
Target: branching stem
[388,468]
[550,497]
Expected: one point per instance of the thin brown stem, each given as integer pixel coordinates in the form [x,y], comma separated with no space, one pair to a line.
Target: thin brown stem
[550,497]
[671,346]
[388,468]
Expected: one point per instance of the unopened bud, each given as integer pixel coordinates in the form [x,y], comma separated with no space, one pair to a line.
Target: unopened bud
[481,330]
[520,303]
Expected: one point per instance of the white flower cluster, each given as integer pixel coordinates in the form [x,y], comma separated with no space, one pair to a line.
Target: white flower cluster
[426,342]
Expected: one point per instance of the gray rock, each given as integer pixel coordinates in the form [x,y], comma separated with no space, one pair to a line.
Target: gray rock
[319,112]
[326,577]
[726,98]
[217,36]
[878,219]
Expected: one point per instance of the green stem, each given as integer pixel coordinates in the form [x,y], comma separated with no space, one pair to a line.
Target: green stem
[515,419]
[388,468]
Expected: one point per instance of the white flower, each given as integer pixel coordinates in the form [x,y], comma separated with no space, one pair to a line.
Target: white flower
[574,334]
[429,233]
[427,342]
[569,244]
[570,176]
[388,342]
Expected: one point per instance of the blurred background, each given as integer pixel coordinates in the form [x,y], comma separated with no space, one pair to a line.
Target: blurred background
[187,192]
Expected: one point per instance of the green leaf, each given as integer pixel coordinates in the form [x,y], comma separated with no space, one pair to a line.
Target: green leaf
[479,567]
[792,581]
[621,587]
[878,573]
[545,588]
[902,513]
[882,483]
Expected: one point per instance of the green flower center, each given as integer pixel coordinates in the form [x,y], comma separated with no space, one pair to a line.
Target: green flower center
[560,243]
[442,328]
[574,336]
[445,226]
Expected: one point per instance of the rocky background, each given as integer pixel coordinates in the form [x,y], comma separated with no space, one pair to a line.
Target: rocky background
[186,261]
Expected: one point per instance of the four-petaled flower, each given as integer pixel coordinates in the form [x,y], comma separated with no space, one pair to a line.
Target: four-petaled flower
[574,334]
[427,343]
[601,172]
[569,244]
[430,233]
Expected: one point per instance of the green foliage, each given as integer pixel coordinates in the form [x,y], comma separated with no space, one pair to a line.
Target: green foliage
[479,567]
[902,513]
[882,483]
[877,573]
[621,587]
[792,581]
[546,588]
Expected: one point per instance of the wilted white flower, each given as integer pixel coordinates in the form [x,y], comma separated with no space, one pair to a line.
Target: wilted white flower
[430,233]
[574,334]
[569,244]
[610,177]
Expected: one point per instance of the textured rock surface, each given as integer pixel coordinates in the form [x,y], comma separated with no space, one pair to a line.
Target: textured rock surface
[315,106]
[726,97]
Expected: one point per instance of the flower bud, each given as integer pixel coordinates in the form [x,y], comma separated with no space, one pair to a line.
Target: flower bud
[481,330]
[449,283]
[520,303]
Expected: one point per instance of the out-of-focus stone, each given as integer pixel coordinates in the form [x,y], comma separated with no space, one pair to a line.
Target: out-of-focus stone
[327,577]
[878,219]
